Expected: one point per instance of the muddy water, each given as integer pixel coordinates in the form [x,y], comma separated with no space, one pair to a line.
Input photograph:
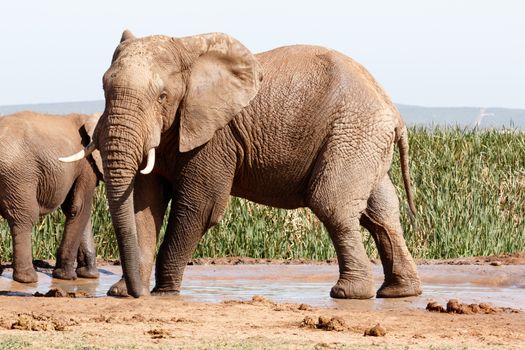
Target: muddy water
[502,286]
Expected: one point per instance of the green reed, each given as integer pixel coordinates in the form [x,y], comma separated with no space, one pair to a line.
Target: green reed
[469,191]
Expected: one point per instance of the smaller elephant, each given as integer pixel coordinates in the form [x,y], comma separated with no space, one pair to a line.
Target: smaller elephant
[33,182]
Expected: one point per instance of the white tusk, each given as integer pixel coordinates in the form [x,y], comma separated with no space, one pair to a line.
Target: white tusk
[78,156]
[151,162]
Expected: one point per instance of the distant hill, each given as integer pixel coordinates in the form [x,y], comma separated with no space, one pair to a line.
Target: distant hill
[87,107]
[413,115]
[463,116]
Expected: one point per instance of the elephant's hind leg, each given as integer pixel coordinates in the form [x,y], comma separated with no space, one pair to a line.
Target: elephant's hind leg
[355,276]
[77,208]
[87,254]
[338,201]
[381,218]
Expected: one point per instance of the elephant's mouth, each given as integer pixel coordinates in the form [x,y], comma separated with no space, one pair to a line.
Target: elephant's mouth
[91,147]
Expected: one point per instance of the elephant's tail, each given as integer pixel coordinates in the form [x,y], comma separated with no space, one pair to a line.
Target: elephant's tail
[402,143]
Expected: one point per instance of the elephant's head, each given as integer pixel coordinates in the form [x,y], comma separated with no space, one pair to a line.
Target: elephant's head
[194,84]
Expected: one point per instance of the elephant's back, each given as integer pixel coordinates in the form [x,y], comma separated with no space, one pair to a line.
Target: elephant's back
[33,142]
[41,131]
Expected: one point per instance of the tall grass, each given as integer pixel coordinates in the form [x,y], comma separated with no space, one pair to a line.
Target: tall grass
[469,191]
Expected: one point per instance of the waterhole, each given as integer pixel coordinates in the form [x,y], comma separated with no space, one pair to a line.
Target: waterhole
[503,286]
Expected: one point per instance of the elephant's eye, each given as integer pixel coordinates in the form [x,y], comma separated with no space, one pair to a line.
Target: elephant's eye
[162,97]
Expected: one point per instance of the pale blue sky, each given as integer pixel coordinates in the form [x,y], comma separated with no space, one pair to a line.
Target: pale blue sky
[430,53]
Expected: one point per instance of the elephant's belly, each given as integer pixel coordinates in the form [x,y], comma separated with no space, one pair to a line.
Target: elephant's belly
[49,198]
[289,202]
[279,198]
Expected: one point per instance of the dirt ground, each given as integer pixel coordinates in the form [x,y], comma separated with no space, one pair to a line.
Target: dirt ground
[170,322]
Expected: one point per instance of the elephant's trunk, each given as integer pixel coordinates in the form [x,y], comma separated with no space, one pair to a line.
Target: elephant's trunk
[120,199]
[121,150]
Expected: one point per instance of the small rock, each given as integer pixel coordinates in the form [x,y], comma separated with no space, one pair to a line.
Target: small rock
[495,263]
[376,331]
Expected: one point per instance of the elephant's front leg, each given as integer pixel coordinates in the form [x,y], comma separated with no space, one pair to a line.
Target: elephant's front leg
[151,198]
[190,217]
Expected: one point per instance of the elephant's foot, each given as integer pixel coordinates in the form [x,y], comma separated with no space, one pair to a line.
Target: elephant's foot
[65,273]
[164,291]
[87,272]
[25,275]
[118,289]
[399,288]
[355,289]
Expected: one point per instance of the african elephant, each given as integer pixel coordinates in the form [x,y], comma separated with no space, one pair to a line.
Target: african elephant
[298,126]
[33,183]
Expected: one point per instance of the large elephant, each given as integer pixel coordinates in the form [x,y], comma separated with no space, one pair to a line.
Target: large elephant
[298,126]
[33,182]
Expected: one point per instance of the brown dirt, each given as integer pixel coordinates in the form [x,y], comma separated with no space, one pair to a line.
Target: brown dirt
[64,321]
[517,258]
[496,260]
[166,322]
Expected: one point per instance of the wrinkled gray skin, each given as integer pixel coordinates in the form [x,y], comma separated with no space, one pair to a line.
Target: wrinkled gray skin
[34,183]
[298,126]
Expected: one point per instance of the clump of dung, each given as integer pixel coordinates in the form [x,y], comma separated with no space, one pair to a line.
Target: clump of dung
[376,331]
[35,322]
[454,306]
[60,293]
[159,333]
[305,307]
[325,323]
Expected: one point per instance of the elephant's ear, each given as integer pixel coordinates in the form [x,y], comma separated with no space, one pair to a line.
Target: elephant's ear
[126,35]
[223,80]
[89,127]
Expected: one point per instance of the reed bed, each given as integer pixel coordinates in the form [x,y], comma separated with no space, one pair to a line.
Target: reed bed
[469,190]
